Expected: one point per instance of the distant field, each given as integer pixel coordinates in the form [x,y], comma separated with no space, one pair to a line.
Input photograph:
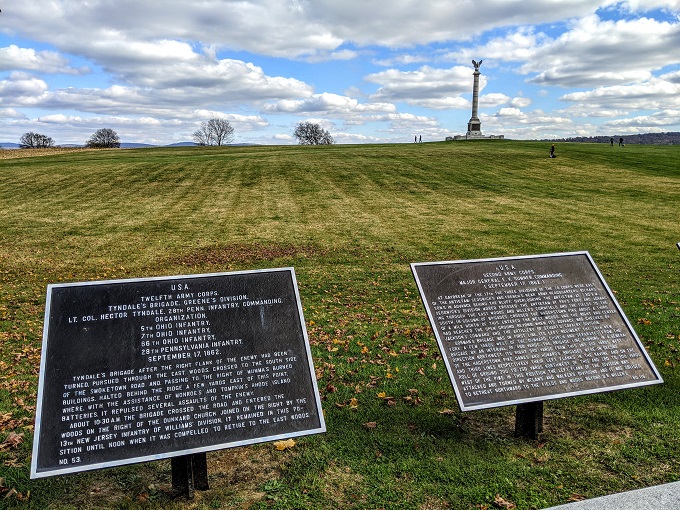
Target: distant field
[350,219]
[29,153]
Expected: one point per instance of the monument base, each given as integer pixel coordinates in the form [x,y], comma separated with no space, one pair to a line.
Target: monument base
[474,136]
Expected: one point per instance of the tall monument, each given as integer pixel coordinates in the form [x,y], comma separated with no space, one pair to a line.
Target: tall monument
[475,125]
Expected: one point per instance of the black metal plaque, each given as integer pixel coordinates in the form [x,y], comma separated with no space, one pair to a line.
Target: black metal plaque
[144,369]
[526,329]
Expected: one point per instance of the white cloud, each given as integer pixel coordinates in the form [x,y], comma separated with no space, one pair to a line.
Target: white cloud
[442,103]
[354,138]
[323,56]
[518,45]
[160,67]
[672,77]
[162,93]
[21,89]
[493,100]
[596,52]
[537,117]
[279,28]
[655,94]
[13,57]
[405,23]
[520,102]
[650,5]
[424,84]
[402,60]
[591,52]
[656,122]
[327,103]
[11,113]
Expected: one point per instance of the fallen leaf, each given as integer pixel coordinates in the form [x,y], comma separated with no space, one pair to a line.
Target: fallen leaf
[370,424]
[576,497]
[12,441]
[502,503]
[283,445]
[447,412]
[353,403]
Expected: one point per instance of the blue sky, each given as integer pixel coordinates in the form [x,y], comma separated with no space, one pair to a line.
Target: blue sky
[369,71]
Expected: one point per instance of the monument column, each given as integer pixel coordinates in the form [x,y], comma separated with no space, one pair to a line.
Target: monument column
[475,125]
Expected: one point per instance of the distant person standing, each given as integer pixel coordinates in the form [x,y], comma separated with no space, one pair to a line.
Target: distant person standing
[415,139]
[552,151]
[621,144]
[611,142]
[420,138]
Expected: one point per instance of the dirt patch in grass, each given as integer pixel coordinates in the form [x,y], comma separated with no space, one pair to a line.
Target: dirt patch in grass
[226,255]
[433,503]
[342,485]
[235,476]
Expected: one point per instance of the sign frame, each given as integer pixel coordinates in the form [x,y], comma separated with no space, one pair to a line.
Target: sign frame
[304,366]
[507,260]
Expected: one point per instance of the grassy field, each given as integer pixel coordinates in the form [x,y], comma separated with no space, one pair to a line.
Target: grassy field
[350,219]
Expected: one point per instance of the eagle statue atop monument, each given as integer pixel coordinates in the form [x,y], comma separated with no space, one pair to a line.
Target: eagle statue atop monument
[476,64]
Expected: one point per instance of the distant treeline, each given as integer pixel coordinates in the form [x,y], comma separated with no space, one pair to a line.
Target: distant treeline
[644,139]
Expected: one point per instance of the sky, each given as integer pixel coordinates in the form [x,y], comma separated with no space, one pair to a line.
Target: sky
[368,71]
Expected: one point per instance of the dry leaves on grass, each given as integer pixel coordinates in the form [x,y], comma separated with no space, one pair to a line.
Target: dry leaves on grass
[12,441]
[390,401]
[576,497]
[12,493]
[499,502]
[7,421]
[284,445]
[353,404]
[370,425]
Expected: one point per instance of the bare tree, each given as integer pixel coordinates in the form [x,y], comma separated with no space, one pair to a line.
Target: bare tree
[35,141]
[308,133]
[104,138]
[214,132]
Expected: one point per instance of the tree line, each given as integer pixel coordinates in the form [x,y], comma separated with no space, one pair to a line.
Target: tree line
[670,138]
[100,139]
[214,132]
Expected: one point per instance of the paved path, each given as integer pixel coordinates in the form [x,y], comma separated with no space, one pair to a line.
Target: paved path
[660,497]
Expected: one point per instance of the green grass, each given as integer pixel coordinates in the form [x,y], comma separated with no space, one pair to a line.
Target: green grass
[350,219]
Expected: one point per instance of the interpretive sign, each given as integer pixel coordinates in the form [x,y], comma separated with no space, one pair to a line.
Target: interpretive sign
[144,369]
[526,329]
